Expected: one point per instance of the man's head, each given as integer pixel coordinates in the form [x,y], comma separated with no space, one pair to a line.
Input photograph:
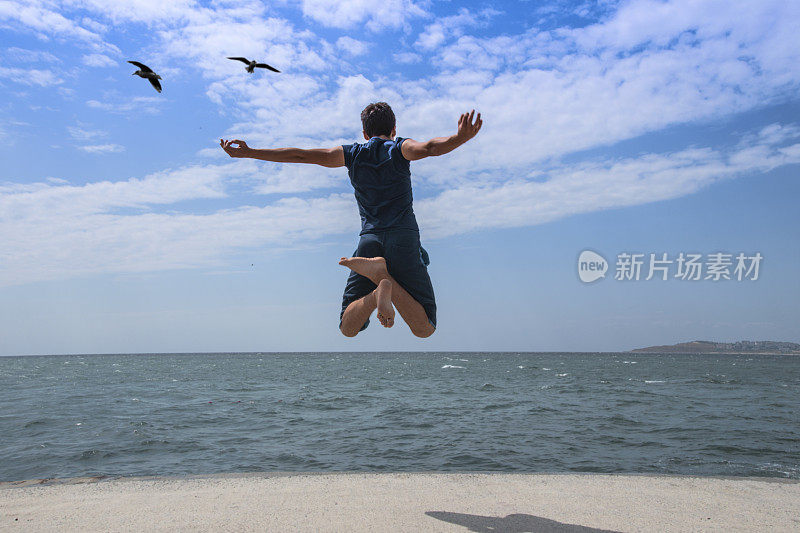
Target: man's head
[378,119]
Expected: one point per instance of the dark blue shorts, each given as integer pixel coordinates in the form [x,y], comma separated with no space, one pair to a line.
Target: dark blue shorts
[407,263]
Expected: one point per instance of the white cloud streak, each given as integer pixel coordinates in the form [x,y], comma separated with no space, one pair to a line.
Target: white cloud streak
[352,46]
[41,78]
[80,133]
[594,186]
[98,60]
[444,28]
[376,16]
[44,20]
[407,58]
[102,148]
[23,55]
[137,104]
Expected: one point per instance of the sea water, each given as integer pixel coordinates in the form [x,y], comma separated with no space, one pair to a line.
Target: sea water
[176,414]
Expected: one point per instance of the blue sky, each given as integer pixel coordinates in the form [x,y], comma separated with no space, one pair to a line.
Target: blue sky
[640,126]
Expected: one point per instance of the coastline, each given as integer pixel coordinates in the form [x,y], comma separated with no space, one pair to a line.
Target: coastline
[664,352]
[409,501]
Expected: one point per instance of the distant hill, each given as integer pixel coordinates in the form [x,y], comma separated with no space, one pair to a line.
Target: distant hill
[745,347]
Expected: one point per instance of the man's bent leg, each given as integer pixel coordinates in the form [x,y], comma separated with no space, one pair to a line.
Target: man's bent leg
[360,310]
[356,314]
[369,245]
[411,310]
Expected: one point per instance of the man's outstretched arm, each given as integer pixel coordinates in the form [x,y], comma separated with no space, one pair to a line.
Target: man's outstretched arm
[413,150]
[326,157]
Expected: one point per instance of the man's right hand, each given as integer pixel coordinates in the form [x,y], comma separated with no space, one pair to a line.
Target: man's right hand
[413,150]
[466,129]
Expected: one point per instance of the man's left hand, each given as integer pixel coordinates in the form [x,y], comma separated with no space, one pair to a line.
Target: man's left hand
[235,148]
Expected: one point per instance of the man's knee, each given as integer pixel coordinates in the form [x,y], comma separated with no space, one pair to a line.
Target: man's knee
[349,329]
[351,332]
[424,332]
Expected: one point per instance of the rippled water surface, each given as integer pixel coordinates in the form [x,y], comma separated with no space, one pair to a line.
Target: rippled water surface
[66,416]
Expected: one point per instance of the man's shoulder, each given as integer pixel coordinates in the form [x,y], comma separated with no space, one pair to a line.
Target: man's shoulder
[350,151]
[398,146]
[352,146]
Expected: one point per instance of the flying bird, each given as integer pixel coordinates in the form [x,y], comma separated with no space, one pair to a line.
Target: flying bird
[251,65]
[146,72]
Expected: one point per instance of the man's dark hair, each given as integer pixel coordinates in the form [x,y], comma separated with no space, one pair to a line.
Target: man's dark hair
[378,119]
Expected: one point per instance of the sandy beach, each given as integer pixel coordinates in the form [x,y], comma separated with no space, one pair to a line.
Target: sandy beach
[403,502]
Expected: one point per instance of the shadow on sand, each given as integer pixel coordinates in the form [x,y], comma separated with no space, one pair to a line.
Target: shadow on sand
[513,523]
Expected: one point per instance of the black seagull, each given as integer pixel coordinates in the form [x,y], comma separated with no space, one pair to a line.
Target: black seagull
[146,72]
[251,65]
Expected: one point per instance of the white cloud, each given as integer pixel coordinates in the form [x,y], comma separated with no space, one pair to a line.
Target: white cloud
[407,57]
[42,200]
[375,15]
[102,148]
[211,37]
[42,78]
[288,178]
[80,133]
[30,56]
[98,60]
[77,232]
[437,33]
[7,126]
[352,46]
[94,25]
[151,12]
[137,104]
[296,110]
[42,17]
[590,187]
[772,134]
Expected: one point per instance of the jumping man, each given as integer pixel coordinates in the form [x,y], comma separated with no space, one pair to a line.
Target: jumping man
[389,267]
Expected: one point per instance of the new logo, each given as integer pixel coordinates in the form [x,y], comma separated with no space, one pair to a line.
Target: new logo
[591,266]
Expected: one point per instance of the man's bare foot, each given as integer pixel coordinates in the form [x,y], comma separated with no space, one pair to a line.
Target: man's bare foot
[372,268]
[383,297]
